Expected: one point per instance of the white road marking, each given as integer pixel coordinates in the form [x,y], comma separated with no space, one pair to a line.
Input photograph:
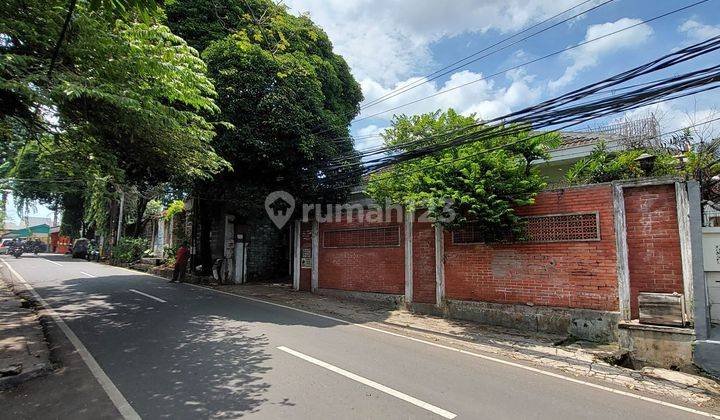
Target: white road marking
[108,386]
[380,387]
[147,295]
[87,274]
[52,262]
[468,353]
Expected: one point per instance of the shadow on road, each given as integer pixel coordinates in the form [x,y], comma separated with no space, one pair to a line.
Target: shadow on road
[184,361]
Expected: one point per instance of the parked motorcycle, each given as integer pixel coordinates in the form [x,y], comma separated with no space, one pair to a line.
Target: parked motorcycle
[93,252]
[16,251]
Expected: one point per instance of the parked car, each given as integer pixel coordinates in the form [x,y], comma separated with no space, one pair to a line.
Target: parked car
[5,246]
[80,248]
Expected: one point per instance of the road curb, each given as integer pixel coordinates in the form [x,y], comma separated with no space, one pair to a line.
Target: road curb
[40,347]
[121,404]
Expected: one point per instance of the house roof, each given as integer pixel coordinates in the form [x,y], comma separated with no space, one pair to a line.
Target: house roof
[27,221]
[576,145]
[36,230]
[572,139]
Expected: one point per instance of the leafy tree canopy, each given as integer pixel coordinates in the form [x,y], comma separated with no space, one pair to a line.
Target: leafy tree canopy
[289,97]
[604,165]
[128,100]
[483,182]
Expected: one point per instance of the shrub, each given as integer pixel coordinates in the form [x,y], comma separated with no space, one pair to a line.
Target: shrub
[170,252]
[129,250]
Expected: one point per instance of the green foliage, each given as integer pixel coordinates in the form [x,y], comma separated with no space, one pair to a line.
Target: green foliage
[170,251]
[129,250]
[484,181]
[128,105]
[98,199]
[282,88]
[604,165]
[71,223]
[127,7]
[175,207]
[153,208]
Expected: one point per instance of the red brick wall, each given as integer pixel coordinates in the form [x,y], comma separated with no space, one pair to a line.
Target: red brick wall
[653,241]
[423,263]
[380,270]
[563,274]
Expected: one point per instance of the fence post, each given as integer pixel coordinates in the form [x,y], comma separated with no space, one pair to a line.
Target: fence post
[409,219]
[296,255]
[439,265]
[623,274]
[700,296]
[315,250]
[686,251]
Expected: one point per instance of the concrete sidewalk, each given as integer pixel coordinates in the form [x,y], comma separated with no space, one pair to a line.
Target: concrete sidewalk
[24,353]
[577,359]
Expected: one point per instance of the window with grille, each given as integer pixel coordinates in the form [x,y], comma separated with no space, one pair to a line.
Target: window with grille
[469,234]
[376,237]
[570,227]
[563,227]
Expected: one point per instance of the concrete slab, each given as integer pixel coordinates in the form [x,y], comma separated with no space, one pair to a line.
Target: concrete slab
[24,353]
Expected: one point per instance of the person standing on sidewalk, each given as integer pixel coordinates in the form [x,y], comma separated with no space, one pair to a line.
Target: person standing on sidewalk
[181,260]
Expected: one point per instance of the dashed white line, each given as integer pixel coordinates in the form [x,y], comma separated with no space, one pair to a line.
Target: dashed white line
[52,262]
[87,274]
[372,384]
[469,353]
[453,349]
[147,295]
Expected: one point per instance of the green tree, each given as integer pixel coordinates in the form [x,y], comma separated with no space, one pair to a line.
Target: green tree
[127,102]
[481,182]
[604,165]
[288,96]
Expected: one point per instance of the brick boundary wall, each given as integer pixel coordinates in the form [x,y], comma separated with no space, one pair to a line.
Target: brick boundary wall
[377,269]
[552,284]
[653,241]
[562,274]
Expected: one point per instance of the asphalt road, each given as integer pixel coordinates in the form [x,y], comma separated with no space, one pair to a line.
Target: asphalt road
[180,351]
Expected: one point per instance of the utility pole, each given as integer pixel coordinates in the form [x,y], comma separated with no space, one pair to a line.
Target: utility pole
[120,216]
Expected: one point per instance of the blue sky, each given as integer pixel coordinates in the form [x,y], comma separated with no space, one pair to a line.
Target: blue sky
[389,43]
[394,42]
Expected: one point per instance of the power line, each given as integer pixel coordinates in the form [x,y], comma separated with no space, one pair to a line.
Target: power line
[548,114]
[375,150]
[606,86]
[426,167]
[456,65]
[663,15]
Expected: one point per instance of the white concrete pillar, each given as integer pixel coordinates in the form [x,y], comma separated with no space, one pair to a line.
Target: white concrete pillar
[296,255]
[701,316]
[623,273]
[439,265]
[315,251]
[409,219]
[686,254]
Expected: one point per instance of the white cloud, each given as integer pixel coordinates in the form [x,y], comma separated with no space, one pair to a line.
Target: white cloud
[371,130]
[697,31]
[482,97]
[589,55]
[388,40]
